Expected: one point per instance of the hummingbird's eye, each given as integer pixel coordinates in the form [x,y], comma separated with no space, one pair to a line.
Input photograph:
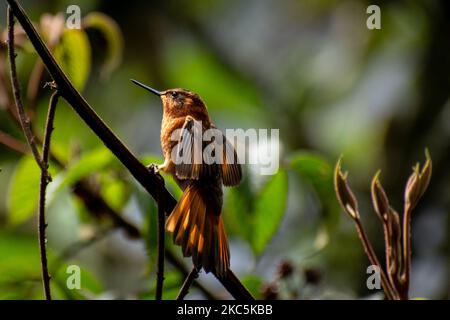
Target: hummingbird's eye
[174,94]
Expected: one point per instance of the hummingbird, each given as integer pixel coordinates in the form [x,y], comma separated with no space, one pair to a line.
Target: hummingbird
[196,221]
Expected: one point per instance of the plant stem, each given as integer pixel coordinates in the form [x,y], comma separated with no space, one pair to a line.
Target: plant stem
[45,179]
[405,277]
[12,143]
[161,250]
[390,293]
[187,283]
[23,117]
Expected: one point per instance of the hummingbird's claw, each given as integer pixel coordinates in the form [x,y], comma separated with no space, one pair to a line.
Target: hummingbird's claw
[154,168]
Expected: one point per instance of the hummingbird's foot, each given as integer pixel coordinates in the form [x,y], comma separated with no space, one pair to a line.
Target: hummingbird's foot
[154,168]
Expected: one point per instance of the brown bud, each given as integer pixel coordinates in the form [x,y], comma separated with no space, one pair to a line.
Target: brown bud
[379,198]
[425,174]
[312,275]
[344,193]
[412,189]
[418,182]
[269,291]
[285,269]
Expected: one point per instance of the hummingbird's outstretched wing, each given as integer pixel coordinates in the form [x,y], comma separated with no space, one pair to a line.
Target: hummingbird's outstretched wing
[195,157]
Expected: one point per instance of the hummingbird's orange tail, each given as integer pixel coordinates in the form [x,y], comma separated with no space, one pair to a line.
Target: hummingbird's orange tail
[200,231]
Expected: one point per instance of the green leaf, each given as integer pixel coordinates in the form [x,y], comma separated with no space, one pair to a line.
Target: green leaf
[114,39]
[318,173]
[253,284]
[238,209]
[88,283]
[269,209]
[23,191]
[73,53]
[94,161]
[19,256]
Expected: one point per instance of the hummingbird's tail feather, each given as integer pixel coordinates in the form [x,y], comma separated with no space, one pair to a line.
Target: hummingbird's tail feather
[200,232]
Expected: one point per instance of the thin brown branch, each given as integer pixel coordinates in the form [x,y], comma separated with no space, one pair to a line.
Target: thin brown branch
[178,264]
[45,179]
[151,183]
[23,117]
[187,283]
[161,250]
[13,143]
[406,252]
[390,292]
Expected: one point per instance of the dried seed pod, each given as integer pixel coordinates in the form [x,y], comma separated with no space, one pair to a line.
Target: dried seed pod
[379,198]
[344,193]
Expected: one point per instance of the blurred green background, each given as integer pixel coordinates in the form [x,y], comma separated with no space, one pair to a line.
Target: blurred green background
[310,68]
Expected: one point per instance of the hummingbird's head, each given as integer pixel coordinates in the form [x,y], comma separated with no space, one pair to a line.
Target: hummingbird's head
[179,102]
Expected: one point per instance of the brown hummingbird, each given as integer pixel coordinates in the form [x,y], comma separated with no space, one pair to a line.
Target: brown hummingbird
[196,222]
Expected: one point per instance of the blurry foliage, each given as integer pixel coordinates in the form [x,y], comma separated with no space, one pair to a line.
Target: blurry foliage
[305,67]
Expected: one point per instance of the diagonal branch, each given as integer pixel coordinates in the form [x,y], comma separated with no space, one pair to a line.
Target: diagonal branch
[12,143]
[187,283]
[153,185]
[97,206]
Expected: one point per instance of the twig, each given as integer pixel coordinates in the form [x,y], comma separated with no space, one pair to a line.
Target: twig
[178,264]
[187,283]
[23,117]
[12,143]
[161,250]
[45,179]
[390,293]
[406,251]
[148,180]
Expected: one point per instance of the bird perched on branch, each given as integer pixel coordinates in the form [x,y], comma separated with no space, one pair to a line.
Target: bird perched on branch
[200,165]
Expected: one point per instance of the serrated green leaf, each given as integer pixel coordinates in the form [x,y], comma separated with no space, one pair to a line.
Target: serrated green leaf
[113,36]
[269,210]
[23,191]
[73,53]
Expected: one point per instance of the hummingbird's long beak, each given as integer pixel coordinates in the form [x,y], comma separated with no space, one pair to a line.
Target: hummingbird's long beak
[154,91]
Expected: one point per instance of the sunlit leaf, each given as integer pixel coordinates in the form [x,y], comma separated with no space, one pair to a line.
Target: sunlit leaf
[113,36]
[73,53]
[23,191]
[269,209]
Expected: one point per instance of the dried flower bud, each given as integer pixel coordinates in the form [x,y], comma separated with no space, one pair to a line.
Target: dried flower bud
[344,193]
[285,269]
[412,188]
[312,275]
[425,174]
[418,182]
[379,198]
[269,291]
